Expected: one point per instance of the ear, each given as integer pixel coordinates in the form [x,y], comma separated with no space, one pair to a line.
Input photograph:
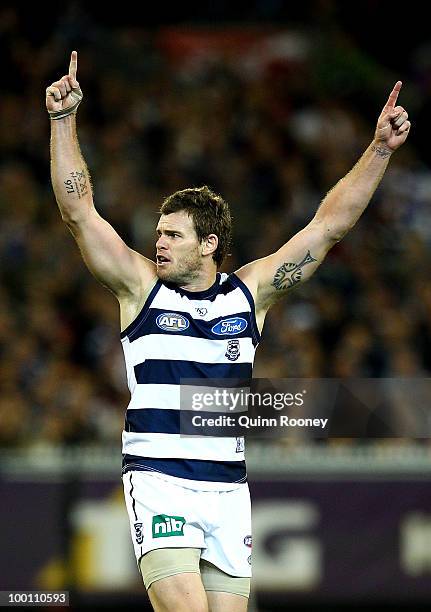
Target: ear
[209,244]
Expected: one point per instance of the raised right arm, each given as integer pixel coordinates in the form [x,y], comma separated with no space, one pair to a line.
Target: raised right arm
[119,268]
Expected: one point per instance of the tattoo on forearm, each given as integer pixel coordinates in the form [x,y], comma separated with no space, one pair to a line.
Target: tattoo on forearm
[77,184]
[290,274]
[381,151]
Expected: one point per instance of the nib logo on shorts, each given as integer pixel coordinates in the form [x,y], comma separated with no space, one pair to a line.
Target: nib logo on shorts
[165,526]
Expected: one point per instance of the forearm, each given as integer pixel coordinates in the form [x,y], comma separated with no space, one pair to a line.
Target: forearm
[346,202]
[69,174]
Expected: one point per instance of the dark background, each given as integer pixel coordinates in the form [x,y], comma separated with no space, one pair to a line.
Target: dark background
[272,138]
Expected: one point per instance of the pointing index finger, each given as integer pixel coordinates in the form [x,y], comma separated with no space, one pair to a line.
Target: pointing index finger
[390,104]
[73,66]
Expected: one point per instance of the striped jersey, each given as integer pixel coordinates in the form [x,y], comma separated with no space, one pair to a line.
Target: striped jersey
[179,335]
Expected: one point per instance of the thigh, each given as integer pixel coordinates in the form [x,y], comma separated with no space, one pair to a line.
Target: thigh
[172,579]
[173,583]
[162,515]
[182,593]
[224,592]
[162,563]
[228,542]
[226,602]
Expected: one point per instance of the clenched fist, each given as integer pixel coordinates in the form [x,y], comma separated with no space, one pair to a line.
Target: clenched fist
[64,96]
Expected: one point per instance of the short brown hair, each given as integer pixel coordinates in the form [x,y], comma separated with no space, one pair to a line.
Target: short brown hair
[210,214]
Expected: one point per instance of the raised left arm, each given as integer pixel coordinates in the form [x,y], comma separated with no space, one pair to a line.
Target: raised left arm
[271,277]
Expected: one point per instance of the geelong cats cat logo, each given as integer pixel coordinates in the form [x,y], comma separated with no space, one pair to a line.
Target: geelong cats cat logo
[138,533]
[232,352]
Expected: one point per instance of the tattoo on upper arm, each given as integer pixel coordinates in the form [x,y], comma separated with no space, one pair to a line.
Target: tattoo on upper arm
[290,274]
[77,184]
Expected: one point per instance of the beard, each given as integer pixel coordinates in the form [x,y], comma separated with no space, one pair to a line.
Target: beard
[183,272]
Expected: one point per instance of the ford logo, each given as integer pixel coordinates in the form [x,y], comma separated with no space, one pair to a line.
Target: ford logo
[172,321]
[229,327]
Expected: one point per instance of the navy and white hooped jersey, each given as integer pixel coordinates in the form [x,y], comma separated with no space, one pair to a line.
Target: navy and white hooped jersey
[182,334]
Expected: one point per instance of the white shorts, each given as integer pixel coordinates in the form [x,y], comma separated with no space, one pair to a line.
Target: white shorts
[164,514]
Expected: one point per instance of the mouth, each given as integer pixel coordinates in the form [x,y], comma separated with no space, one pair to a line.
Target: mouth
[161,260]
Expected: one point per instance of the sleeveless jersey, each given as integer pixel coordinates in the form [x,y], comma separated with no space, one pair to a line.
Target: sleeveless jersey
[182,334]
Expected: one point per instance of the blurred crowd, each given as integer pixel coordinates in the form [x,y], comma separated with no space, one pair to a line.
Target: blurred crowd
[271,120]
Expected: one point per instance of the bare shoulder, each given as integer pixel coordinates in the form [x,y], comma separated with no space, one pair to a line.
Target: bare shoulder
[146,268]
[248,275]
[132,303]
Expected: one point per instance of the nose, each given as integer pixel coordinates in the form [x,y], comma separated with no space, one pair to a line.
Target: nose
[161,242]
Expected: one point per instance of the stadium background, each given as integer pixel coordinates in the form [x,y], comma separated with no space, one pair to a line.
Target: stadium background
[269,103]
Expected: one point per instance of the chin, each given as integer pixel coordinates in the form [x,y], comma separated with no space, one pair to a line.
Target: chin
[162,273]
[170,276]
[165,275]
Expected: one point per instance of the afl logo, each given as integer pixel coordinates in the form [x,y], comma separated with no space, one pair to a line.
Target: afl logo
[171,321]
[230,327]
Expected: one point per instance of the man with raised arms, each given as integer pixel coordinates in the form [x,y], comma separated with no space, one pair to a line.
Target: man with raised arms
[187,497]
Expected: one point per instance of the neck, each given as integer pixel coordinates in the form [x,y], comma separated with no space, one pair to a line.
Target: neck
[202,283]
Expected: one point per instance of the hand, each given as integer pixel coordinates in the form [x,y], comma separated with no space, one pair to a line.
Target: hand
[392,126]
[64,96]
